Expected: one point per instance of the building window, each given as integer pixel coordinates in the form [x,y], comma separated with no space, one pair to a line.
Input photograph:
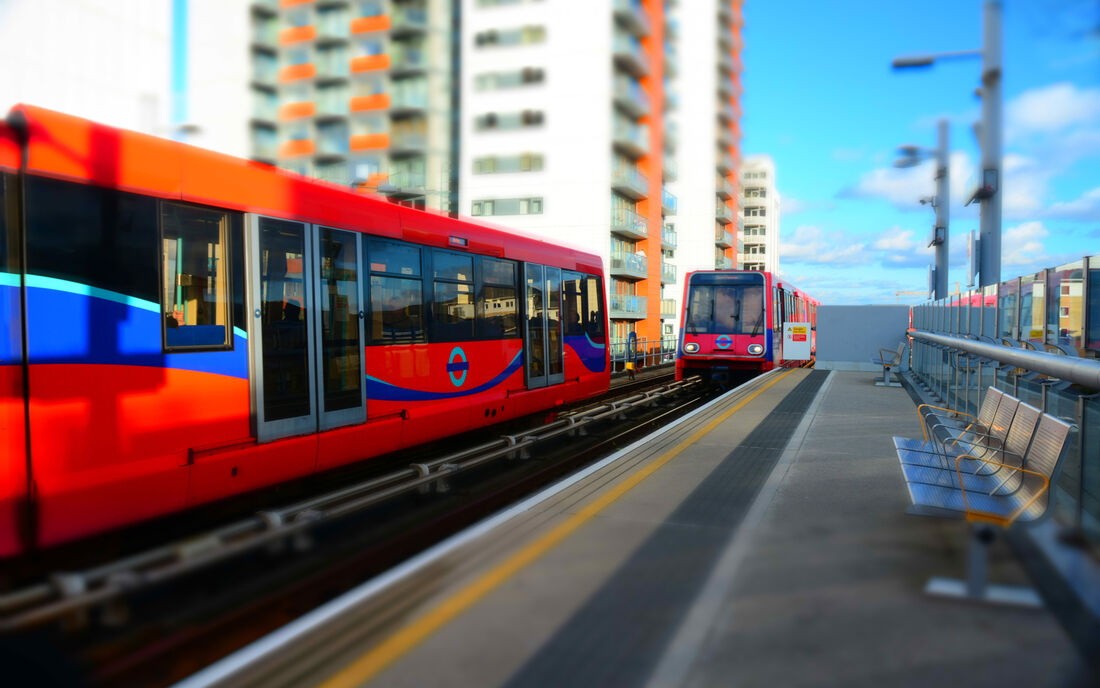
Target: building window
[523,35]
[755,212]
[491,81]
[524,162]
[508,206]
[509,120]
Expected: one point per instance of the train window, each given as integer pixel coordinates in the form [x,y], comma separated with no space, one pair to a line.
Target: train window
[91,236]
[572,303]
[396,295]
[594,306]
[496,300]
[452,297]
[195,277]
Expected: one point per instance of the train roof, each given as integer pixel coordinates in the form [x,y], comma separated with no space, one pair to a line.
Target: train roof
[68,147]
[769,278]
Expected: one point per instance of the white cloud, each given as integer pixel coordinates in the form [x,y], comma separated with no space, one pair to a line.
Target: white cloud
[1086,207]
[811,244]
[1022,246]
[904,187]
[896,239]
[1050,109]
[790,206]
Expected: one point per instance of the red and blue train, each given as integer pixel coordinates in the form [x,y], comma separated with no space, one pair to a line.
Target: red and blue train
[180,326]
[733,321]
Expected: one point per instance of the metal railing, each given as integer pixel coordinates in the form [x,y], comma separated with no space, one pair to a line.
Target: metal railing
[650,352]
[966,343]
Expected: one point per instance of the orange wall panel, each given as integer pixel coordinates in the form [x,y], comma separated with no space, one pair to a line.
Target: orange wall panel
[299,71]
[367,63]
[296,110]
[379,22]
[378,101]
[296,147]
[369,142]
[296,34]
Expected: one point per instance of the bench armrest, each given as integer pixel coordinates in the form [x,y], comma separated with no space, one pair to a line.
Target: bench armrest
[1003,521]
[924,418]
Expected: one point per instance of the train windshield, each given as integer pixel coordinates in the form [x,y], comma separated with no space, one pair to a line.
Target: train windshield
[726,309]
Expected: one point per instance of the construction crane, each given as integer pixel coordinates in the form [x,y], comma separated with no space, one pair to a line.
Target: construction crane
[900,294]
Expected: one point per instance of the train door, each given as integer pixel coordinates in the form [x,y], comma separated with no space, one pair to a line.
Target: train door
[542,329]
[306,354]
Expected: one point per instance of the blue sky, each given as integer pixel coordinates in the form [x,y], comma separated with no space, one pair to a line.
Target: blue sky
[821,98]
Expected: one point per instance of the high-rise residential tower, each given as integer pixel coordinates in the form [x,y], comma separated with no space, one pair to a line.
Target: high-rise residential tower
[359,91]
[564,134]
[760,202]
[708,153]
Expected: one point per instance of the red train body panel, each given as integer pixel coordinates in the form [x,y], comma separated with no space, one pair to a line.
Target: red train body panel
[162,348]
[732,321]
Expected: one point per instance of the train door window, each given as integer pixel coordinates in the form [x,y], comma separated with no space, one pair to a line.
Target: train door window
[595,308]
[282,348]
[195,278]
[340,328]
[535,329]
[396,295]
[452,297]
[497,305]
[555,368]
[572,304]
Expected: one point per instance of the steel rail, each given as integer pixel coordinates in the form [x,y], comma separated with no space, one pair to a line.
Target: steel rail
[66,593]
[1081,371]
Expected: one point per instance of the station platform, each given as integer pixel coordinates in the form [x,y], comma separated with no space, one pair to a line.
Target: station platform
[762,540]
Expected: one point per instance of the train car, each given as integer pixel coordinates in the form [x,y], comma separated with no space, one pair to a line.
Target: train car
[733,321]
[181,326]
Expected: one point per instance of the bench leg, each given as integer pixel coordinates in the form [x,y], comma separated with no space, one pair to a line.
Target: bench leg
[977,587]
[886,382]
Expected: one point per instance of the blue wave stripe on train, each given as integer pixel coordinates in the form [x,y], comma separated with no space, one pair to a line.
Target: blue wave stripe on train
[69,322]
[385,391]
[590,353]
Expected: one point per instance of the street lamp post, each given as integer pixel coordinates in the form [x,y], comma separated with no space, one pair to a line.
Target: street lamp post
[913,155]
[989,138]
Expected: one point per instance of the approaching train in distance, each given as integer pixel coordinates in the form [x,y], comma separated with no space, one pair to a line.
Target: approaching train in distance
[743,321]
[180,326]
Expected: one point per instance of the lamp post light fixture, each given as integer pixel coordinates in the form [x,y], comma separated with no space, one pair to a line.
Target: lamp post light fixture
[914,155]
[989,138]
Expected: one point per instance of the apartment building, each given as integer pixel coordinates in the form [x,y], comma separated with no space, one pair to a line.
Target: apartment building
[564,135]
[760,203]
[358,92]
[708,221]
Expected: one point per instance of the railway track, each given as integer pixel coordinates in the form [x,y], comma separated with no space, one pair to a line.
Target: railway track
[149,618]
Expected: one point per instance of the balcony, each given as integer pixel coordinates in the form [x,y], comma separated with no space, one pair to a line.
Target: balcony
[672,101]
[629,265]
[726,112]
[723,213]
[632,16]
[408,142]
[632,139]
[740,222]
[407,61]
[726,62]
[627,52]
[725,161]
[668,164]
[725,188]
[628,307]
[407,101]
[668,273]
[669,311]
[668,202]
[329,107]
[628,180]
[628,223]
[723,238]
[668,237]
[332,30]
[723,263]
[630,96]
[672,63]
[407,21]
[403,185]
[672,136]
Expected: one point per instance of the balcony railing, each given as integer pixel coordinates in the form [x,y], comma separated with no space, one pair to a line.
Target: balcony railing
[632,138]
[629,54]
[629,223]
[628,307]
[725,161]
[630,96]
[404,19]
[726,111]
[723,238]
[723,263]
[668,273]
[668,163]
[628,179]
[408,99]
[723,213]
[404,180]
[629,265]
[408,60]
[633,15]
[668,309]
[668,237]
[668,202]
[724,187]
[412,140]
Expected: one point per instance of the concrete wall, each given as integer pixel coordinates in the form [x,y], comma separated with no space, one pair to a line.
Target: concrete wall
[848,337]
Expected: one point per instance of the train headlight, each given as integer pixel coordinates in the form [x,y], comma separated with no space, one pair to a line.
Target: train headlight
[691,348]
[756,349]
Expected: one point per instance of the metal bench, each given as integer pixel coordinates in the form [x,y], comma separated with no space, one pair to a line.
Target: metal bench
[1004,487]
[888,358]
[973,443]
[942,439]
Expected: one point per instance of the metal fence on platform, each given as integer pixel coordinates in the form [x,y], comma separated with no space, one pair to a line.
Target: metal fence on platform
[650,352]
[1037,338]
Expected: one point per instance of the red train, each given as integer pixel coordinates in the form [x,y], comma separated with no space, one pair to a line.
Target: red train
[181,326]
[733,322]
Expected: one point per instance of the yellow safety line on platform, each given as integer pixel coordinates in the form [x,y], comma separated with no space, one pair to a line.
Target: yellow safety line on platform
[408,637]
